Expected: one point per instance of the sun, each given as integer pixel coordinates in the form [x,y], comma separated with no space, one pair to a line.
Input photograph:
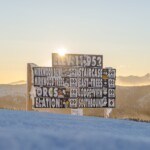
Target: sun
[62,51]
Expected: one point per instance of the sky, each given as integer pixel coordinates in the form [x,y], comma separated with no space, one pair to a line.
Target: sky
[30,30]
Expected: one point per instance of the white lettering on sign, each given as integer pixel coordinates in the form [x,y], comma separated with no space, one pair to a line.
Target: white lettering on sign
[75,81]
[77,60]
[47,103]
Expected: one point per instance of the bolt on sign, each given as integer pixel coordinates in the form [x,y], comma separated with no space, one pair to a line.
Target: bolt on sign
[73,81]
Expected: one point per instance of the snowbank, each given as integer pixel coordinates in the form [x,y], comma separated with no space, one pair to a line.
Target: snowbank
[39,131]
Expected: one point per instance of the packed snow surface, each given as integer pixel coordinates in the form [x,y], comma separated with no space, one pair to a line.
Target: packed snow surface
[40,131]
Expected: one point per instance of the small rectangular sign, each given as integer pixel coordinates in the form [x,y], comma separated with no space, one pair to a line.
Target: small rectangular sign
[77,60]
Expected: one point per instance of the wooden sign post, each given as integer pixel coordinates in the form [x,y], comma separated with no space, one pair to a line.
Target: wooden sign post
[29,86]
[29,83]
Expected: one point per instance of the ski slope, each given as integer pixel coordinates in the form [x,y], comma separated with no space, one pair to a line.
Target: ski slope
[40,131]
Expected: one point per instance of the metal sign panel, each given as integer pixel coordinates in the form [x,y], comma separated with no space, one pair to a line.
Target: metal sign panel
[109,85]
[74,81]
[77,60]
[73,87]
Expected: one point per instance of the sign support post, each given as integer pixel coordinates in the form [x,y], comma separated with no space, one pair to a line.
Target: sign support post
[29,85]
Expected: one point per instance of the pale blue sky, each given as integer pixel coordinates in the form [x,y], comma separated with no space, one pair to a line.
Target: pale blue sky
[30,30]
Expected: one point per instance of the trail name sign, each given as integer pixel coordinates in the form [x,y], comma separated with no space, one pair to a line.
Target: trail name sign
[73,81]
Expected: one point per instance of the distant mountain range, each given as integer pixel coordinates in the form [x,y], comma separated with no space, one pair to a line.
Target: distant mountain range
[13,96]
[12,90]
[131,101]
[120,80]
[133,80]
[18,82]
[132,98]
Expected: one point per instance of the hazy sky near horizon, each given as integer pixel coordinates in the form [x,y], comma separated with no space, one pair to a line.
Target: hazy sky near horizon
[31,30]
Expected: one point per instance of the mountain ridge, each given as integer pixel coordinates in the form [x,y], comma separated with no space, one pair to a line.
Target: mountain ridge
[131,80]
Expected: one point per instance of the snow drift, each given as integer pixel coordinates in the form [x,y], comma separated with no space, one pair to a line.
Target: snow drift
[34,130]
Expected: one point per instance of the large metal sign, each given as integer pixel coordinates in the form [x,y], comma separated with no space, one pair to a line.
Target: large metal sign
[68,87]
[74,81]
[78,60]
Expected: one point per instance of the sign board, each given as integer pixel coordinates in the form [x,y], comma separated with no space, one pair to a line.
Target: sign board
[57,87]
[77,60]
[109,86]
[74,81]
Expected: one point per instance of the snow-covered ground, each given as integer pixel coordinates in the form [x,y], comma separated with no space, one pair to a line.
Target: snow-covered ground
[40,131]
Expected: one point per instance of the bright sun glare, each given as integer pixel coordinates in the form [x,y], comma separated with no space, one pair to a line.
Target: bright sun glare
[61,51]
